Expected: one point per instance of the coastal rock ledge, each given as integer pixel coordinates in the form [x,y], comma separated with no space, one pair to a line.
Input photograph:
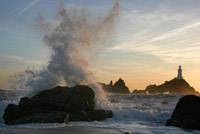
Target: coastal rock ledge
[57,105]
[187,113]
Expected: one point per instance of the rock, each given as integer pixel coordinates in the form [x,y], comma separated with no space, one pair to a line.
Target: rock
[139,91]
[118,87]
[12,112]
[174,86]
[187,113]
[23,101]
[56,105]
[101,114]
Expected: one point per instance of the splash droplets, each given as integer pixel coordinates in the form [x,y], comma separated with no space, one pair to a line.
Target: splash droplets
[71,36]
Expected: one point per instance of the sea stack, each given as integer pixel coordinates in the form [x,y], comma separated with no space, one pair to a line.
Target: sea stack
[118,87]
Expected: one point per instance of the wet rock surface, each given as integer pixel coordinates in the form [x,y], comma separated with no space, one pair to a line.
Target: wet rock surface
[60,104]
[187,113]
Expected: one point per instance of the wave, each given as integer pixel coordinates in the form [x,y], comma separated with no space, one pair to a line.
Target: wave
[157,108]
[127,109]
[74,41]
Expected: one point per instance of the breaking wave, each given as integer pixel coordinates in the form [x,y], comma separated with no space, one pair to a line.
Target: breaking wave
[73,37]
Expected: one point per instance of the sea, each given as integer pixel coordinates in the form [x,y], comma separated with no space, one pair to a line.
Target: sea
[135,114]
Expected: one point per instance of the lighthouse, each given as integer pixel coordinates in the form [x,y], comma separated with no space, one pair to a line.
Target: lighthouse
[179,73]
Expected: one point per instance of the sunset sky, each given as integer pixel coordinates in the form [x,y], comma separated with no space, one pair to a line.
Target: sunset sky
[151,39]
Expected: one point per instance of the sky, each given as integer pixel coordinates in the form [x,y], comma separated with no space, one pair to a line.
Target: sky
[151,39]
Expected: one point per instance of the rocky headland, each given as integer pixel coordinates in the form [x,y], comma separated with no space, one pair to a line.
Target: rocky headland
[57,105]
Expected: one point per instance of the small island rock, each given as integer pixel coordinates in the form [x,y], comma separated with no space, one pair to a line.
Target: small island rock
[118,87]
[174,86]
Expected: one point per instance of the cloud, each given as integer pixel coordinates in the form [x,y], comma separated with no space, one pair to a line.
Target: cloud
[176,32]
[170,34]
[30,5]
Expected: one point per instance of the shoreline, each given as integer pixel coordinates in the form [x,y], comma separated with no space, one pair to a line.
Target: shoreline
[59,130]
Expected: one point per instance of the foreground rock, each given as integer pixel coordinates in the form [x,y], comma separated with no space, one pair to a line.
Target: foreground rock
[174,86]
[118,87]
[187,113]
[60,104]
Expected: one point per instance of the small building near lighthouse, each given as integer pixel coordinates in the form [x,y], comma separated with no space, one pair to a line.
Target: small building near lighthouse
[180,77]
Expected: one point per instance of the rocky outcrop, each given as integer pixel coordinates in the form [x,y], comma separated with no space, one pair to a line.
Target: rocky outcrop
[187,113]
[118,87]
[139,91]
[174,86]
[60,104]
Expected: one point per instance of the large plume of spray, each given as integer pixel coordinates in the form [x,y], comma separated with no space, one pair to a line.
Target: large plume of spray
[71,36]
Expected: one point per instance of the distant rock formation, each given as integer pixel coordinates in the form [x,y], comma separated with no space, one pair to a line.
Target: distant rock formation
[139,91]
[57,105]
[174,86]
[118,87]
[186,113]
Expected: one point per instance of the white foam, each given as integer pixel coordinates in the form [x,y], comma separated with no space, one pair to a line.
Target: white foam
[156,108]
[35,125]
[133,114]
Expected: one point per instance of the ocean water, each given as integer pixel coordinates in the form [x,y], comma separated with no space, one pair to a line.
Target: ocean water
[136,114]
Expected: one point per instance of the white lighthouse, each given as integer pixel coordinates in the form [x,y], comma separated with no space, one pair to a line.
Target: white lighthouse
[179,73]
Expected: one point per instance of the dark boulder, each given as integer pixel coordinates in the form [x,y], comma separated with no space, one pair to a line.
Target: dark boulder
[24,101]
[101,114]
[12,112]
[187,113]
[55,105]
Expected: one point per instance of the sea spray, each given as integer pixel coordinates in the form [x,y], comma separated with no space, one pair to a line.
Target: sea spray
[72,36]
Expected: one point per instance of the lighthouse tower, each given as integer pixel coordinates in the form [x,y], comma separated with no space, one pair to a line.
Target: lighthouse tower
[179,73]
